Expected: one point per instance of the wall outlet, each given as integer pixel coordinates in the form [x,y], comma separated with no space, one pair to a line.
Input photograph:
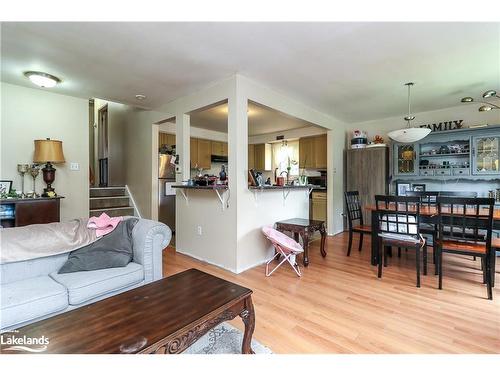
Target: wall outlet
[178,169]
[74,166]
[199,231]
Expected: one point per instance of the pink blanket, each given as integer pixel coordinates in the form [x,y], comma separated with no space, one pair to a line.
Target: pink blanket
[103,224]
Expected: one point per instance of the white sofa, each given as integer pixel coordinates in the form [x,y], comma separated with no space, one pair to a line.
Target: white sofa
[33,290]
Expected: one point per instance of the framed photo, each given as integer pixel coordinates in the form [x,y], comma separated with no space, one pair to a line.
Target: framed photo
[5,186]
[402,188]
[418,187]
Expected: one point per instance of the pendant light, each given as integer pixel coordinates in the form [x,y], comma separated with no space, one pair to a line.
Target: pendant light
[487,106]
[409,134]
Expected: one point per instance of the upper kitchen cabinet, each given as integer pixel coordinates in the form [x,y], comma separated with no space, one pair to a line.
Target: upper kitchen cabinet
[485,154]
[313,152]
[262,157]
[219,148]
[201,151]
[166,139]
[320,158]
[251,156]
[306,153]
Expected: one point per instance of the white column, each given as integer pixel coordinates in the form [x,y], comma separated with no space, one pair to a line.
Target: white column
[183,131]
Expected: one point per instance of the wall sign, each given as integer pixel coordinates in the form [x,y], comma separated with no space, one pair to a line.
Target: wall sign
[443,126]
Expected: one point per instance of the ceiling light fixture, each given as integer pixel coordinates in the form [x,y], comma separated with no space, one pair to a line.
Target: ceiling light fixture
[140,97]
[42,79]
[487,106]
[409,134]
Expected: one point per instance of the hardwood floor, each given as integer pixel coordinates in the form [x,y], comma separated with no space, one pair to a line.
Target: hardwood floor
[340,306]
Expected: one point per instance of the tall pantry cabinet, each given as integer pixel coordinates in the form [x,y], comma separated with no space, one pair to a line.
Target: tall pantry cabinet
[367,171]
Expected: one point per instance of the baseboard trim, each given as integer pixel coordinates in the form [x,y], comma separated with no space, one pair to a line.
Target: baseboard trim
[204,260]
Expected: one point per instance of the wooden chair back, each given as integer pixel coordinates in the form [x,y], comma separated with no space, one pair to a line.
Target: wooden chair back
[465,219]
[398,215]
[353,205]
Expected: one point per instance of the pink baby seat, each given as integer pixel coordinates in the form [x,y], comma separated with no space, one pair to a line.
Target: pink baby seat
[285,246]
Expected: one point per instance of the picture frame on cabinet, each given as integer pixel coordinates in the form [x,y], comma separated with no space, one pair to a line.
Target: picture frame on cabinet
[5,187]
[402,188]
[418,187]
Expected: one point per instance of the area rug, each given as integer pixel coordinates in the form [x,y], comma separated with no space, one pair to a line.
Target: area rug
[224,339]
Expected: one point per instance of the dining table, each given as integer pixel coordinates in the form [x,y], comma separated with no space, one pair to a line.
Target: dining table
[428,214]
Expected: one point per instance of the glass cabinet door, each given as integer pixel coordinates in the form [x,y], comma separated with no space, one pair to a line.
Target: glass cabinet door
[406,159]
[486,151]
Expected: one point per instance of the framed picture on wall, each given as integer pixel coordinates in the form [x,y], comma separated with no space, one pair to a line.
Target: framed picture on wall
[402,188]
[418,187]
[5,187]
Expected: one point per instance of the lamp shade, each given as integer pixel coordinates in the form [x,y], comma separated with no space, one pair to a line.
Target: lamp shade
[48,150]
[409,135]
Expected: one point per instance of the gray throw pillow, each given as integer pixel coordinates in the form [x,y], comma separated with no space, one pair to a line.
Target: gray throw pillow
[112,250]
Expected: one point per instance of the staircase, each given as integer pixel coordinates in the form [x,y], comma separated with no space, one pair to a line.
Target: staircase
[113,200]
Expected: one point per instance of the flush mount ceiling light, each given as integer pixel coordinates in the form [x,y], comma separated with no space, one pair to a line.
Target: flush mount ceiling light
[140,97]
[487,106]
[42,79]
[409,134]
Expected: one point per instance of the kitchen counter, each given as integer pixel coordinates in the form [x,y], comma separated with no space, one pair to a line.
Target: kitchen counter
[209,187]
[276,187]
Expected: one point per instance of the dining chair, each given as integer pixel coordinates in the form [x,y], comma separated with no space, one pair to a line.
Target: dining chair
[355,219]
[458,216]
[428,201]
[399,225]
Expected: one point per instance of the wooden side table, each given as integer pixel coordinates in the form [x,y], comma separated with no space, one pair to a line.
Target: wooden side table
[28,211]
[304,228]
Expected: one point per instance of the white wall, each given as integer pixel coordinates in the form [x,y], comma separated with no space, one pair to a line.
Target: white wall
[29,114]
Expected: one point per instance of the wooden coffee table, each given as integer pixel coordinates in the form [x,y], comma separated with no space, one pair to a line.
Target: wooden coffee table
[165,316]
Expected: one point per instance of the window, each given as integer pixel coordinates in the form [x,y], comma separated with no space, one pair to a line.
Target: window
[286,154]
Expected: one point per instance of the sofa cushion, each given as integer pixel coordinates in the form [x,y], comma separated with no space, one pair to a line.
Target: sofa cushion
[28,299]
[86,285]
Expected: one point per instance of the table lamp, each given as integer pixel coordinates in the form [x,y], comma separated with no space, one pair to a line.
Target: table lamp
[48,151]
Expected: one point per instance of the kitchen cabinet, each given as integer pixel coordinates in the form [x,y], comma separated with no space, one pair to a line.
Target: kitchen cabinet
[200,152]
[367,171]
[193,152]
[313,152]
[166,139]
[219,148]
[251,157]
[262,157]
[320,158]
[319,206]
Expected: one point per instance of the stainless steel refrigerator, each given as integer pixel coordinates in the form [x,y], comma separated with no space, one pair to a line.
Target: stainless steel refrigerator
[166,178]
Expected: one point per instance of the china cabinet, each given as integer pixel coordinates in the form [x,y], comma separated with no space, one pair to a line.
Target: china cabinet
[465,153]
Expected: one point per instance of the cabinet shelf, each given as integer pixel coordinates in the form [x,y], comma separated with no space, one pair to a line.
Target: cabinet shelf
[444,155]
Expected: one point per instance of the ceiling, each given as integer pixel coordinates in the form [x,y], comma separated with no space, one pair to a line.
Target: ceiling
[352,71]
[261,119]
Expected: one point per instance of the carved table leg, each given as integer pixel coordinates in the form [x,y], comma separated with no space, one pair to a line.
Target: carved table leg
[322,230]
[305,239]
[248,317]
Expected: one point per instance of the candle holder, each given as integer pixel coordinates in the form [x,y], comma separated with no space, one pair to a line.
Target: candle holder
[34,171]
[23,169]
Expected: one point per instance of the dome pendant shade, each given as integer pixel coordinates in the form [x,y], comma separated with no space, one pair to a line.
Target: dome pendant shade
[409,135]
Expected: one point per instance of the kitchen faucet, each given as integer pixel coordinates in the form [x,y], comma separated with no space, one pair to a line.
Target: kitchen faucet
[287,176]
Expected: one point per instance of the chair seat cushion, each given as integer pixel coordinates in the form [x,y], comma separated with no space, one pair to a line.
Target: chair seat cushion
[28,299]
[86,285]
[398,239]
[472,247]
[362,228]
